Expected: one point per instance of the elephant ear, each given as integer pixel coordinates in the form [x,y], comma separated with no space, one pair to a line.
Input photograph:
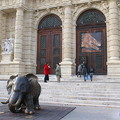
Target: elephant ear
[10,82]
[30,79]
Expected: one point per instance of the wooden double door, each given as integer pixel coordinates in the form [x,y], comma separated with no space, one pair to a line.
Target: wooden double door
[91,48]
[49,49]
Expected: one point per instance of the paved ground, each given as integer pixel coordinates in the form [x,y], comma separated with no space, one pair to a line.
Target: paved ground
[79,113]
[47,112]
[93,113]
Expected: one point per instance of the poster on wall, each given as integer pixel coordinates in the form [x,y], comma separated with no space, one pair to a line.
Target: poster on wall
[91,42]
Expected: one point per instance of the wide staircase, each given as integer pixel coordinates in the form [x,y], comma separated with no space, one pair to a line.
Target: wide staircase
[102,91]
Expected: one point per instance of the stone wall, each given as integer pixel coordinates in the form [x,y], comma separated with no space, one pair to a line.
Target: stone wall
[20,18]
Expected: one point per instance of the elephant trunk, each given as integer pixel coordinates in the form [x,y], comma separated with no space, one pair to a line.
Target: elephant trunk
[14,102]
[18,101]
[15,99]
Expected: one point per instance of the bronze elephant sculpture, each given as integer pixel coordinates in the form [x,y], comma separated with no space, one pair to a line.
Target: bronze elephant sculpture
[24,93]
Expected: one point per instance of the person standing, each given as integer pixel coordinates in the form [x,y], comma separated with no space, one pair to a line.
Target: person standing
[91,72]
[58,72]
[46,72]
[85,74]
[84,71]
[79,71]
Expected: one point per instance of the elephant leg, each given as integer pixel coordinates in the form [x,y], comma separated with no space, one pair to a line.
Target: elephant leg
[29,104]
[36,104]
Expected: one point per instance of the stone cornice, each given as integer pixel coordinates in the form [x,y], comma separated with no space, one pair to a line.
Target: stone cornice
[59,4]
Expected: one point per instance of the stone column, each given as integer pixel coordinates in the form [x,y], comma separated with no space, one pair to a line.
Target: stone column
[0,31]
[67,33]
[66,64]
[18,35]
[114,42]
[114,31]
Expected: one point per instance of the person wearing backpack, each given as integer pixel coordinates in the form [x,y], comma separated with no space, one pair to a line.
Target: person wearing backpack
[91,72]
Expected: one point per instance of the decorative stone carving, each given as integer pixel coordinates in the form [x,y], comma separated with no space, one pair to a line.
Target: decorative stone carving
[118,3]
[36,13]
[77,7]
[48,10]
[105,5]
[60,10]
[7,46]
[89,3]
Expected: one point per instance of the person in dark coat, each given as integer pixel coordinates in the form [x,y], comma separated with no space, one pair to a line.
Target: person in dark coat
[46,72]
[85,73]
[84,70]
[91,72]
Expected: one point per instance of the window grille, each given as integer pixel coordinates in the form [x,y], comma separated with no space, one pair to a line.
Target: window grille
[50,22]
[91,17]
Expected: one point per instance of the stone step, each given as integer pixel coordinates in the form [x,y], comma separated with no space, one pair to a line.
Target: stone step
[96,78]
[94,94]
[103,88]
[73,88]
[75,97]
[75,91]
[80,102]
[83,94]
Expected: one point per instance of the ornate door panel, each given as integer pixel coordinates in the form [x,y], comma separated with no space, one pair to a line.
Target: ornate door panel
[91,47]
[49,49]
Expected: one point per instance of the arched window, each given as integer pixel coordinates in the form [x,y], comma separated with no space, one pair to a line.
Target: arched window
[51,21]
[91,17]
[91,40]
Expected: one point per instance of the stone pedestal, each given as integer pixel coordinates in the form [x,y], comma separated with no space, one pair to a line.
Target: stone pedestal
[113,69]
[7,57]
[67,69]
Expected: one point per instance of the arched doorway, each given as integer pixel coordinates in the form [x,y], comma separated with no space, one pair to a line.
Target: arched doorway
[49,45]
[91,40]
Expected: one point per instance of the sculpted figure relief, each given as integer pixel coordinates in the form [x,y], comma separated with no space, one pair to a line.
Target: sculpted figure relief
[7,46]
[24,94]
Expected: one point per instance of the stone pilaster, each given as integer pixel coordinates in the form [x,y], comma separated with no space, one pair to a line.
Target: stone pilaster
[18,35]
[67,64]
[28,42]
[114,42]
[114,30]
[0,25]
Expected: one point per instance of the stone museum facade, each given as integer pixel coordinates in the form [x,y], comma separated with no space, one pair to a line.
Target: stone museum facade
[33,32]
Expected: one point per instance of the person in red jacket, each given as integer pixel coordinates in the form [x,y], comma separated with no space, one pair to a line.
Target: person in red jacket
[46,72]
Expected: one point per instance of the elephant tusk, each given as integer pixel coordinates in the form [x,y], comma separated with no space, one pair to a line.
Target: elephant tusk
[18,101]
[7,101]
